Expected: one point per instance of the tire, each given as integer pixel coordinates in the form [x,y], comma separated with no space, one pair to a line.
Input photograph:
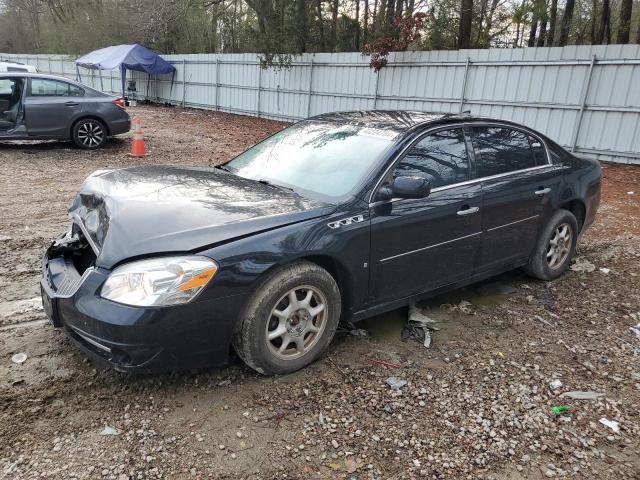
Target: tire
[268,312]
[89,134]
[544,264]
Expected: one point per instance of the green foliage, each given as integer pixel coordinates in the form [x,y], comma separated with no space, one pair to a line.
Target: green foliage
[279,29]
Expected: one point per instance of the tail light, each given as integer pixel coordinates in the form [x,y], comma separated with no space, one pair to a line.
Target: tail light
[119,102]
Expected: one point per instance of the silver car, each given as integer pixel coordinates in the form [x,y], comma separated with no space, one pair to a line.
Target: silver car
[37,106]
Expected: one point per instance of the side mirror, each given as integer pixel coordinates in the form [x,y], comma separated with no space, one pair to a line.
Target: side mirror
[410,187]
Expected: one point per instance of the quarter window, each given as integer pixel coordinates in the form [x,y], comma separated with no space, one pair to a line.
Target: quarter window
[503,150]
[440,157]
[41,87]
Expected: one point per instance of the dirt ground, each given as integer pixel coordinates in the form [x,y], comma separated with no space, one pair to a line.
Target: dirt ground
[477,404]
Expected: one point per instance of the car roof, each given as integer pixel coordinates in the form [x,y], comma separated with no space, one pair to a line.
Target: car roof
[36,75]
[397,120]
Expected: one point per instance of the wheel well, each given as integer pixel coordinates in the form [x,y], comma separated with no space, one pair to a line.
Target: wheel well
[337,271]
[89,117]
[578,209]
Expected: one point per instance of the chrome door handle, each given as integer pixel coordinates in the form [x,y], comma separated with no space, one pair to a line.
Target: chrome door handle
[71,104]
[542,191]
[468,211]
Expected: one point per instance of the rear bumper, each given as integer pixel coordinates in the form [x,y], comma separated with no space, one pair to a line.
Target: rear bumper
[116,127]
[140,339]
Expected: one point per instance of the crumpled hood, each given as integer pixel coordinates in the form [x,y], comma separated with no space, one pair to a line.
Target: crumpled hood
[161,209]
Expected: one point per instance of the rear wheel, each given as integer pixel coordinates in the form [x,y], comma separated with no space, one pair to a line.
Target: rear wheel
[89,134]
[290,319]
[556,247]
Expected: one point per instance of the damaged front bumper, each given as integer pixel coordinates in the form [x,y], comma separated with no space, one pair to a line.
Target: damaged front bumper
[141,339]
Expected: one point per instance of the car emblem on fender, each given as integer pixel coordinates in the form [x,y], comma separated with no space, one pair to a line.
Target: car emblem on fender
[346,221]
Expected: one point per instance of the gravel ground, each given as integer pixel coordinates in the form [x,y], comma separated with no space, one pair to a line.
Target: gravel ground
[477,404]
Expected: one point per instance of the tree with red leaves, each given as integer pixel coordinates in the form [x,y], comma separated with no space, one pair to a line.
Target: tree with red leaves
[409,32]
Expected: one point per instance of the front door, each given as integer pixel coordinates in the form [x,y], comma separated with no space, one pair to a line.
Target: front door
[51,106]
[11,92]
[421,244]
[516,187]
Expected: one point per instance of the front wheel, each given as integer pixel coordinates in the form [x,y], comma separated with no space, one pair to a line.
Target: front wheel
[290,319]
[89,134]
[555,248]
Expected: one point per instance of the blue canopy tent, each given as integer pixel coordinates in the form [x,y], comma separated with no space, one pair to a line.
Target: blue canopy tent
[125,57]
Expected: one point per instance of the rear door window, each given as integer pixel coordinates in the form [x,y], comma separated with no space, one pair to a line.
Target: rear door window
[41,87]
[440,157]
[503,150]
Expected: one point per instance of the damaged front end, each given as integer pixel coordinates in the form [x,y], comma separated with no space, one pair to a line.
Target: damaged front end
[69,258]
[88,213]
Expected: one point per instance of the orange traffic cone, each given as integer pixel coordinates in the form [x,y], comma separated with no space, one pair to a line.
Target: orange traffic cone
[137,146]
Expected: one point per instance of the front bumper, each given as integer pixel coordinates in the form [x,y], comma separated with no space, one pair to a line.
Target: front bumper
[141,339]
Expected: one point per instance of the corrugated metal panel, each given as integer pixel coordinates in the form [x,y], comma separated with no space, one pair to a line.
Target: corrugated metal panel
[544,88]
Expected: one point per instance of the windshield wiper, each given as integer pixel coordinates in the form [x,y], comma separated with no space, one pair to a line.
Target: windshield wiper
[223,167]
[275,185]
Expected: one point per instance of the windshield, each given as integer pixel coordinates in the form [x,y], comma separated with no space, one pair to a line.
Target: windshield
[326,158]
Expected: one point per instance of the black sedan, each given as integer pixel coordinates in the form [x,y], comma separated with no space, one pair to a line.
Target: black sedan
[34,106]
[345,215]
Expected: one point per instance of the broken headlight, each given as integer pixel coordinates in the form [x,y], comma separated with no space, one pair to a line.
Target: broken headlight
[159,281]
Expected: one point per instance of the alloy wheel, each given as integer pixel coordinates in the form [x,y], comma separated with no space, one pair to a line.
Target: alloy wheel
[297,322]
[90,134]
[559,245]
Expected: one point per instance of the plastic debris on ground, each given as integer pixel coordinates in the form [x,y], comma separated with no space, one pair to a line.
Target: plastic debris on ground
[559,409]
[19,358]
[582,265]
[577,395]
[418,326]
[555,384]
[107,431]
[604,271]
[395,383]
[612,424]
[635,331]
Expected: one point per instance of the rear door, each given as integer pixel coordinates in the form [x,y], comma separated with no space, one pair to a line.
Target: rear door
[517,182]
[421,244]
[51,106]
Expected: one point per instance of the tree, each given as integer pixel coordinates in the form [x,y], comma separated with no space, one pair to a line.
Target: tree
[543,25]
[553,16]
[604,34]
[566,23]
[624,24]
[334,24]
[466,14]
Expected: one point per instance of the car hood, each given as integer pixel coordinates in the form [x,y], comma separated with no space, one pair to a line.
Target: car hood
[160,209]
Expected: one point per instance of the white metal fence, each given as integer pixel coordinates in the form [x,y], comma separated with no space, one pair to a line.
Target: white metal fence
[587,97]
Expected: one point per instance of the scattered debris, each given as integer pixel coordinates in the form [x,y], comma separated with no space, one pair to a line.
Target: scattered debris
[582,265]
[559,409]
[540,319]
[385,363]
[4,238]
[395,383]
[604,271]
[555,384]
[359,332]
[109,431]
[418,326]
[464,306]
[577,395]
[635,331]
[19,357]
[612,424]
